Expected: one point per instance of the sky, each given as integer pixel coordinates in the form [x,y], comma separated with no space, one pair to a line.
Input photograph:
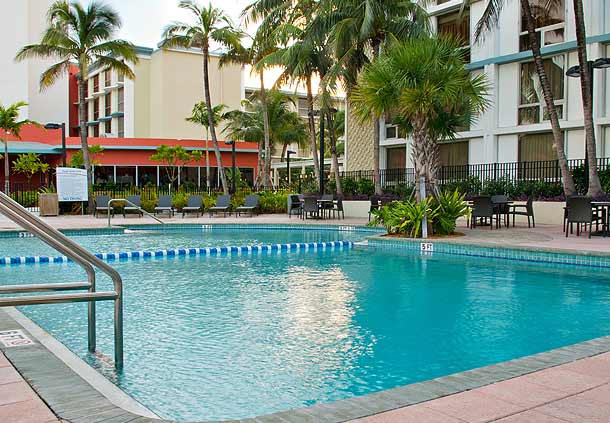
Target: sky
[144,20]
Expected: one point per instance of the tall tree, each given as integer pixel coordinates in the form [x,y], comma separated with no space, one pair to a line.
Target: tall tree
[490,20]
[586,81]
[199,116]
[11,125]
[80,35]
[359,31]
[209,25]
[261,45]
[425,82]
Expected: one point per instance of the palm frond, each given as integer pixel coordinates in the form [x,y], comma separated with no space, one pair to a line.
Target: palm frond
[53,73]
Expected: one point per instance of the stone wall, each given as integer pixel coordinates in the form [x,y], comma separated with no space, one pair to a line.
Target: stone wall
[359,143]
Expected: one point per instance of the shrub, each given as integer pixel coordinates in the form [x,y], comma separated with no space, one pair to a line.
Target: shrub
[180,200]
[451,206]
[273,202]
[404,217]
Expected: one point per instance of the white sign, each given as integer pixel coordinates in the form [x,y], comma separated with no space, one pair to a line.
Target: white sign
[72,184]
[427,247]
[14,338]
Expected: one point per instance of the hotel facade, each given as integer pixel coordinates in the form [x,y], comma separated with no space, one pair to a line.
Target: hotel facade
[514,129]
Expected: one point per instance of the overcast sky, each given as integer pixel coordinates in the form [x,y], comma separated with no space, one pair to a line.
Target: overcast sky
[144,20]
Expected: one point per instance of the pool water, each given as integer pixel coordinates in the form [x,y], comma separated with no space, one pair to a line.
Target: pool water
[230,338]
[170,238]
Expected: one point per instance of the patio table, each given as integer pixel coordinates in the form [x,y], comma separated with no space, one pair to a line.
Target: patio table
[604,206]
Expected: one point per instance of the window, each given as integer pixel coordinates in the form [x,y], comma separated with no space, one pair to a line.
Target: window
[96,131]
[107,79]
[536,147]
[396,158]
[458,26]
[108,104]
[531,103]
[121,124]
[121,77]
[549,18]
[121,99]
[391,128]
[96,83]
[96,109]
[303,107]
[108,127]
[453,154]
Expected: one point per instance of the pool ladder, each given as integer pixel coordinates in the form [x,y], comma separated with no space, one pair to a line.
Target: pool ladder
[80,256]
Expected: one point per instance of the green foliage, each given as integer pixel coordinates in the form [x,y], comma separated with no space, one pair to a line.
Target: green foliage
[451,205]
[77,160]
[9,123]
[581,179]
[404,217]
[240,183]
[272,202]
[172,157]
[29,164]
[366,187]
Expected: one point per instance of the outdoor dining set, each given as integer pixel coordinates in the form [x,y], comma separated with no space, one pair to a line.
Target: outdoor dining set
[316,207]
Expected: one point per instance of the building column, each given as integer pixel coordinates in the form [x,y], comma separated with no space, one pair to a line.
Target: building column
[114,173]
[137,176]
[158,177]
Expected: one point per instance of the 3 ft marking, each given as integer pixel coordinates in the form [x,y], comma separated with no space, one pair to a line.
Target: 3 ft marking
[427,247]
[14,338]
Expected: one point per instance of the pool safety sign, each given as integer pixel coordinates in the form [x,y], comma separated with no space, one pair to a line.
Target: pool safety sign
[14,338]
[72,184]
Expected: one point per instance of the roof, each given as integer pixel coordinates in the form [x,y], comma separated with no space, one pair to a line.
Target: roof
[43,141]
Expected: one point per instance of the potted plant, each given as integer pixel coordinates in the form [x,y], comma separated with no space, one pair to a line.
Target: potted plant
[48,201]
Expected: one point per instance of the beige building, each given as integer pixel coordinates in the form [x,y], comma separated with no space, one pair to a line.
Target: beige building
[155,104]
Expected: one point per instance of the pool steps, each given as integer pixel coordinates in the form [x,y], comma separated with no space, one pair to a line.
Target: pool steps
[208,251]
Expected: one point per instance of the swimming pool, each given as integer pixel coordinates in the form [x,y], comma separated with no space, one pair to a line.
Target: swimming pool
[214,338]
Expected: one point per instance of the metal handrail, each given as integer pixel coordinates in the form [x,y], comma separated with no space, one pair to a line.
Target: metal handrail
[133,205]
[81,256]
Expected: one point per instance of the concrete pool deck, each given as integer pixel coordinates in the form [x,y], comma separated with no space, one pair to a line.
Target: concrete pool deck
[570,384]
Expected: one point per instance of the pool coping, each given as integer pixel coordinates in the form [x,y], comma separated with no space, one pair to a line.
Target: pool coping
[74,399]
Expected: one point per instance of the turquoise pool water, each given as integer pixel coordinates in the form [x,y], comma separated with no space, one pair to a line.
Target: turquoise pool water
[229,338]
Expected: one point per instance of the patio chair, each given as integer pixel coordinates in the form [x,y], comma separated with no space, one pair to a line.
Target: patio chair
[483,208]
[194,205]
[311,207]
[526,209]
[501,206]
[374,205]
[101,205]
[327,203]
[581,211]
[338,208]
[251,205]
[294,204]
[164,205]
[129,208]
[223,203]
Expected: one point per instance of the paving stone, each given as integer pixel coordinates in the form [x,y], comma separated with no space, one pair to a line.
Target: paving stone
[16,392]
[32,411]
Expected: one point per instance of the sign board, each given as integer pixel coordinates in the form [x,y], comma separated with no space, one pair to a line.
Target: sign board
[14,338]
[72,184]
[427,247]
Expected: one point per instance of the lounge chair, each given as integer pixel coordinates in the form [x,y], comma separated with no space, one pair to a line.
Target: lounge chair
[101,205]
[251,205]
[194,205]
[164,205]
[129,208]
[223,203]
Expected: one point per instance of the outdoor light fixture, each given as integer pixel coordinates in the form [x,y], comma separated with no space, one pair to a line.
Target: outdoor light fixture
[602,63]
[61,126]
[288,153]
[232,144]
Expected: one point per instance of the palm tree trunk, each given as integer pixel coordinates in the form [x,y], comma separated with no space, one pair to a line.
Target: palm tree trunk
[267,175]
[418,153]
[569,187]
[595,186]
[207,160]
[260,171]
[82,123]
[208,103]
[7,169]
[333,153]
[376,133]
[313,146]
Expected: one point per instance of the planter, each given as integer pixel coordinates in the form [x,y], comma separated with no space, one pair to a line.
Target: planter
[356,208]
[49,204]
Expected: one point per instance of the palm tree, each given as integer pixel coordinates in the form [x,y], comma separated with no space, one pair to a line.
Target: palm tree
[210,25]
[488,21]
[10,125]
[424,81]
[262,45]
[80,35]
[586,81]
[285,125]
[199,116]
[359,31]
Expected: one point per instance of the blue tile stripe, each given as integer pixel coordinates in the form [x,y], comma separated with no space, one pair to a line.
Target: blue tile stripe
[207,251]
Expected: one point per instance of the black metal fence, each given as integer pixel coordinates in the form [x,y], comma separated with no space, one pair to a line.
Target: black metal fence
[512,172]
